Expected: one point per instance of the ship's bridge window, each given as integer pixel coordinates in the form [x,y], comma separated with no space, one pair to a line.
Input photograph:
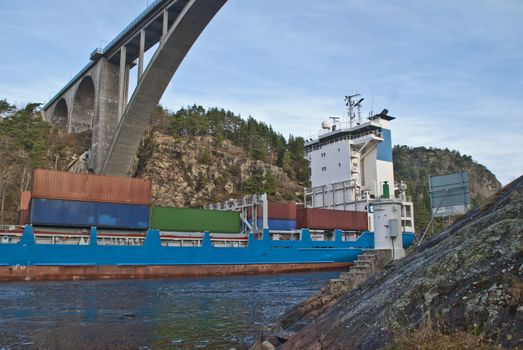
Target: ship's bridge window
[408,211]
[406,223]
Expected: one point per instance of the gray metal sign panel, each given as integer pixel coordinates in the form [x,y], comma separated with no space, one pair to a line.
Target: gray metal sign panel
[449,194]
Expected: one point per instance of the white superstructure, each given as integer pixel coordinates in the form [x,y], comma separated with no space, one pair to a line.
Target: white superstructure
[351,167]
[357,158]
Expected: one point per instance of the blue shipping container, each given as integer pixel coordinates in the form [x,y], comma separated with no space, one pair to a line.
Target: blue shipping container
[54,212]
[278,224]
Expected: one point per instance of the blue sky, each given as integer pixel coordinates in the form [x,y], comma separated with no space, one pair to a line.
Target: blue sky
[450,71]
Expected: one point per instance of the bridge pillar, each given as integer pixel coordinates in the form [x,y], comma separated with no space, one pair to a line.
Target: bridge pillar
[165,23]
[141,55]
[106,111]
[122,81]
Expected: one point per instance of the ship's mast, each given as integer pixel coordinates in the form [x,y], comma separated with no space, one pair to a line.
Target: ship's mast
[351,103]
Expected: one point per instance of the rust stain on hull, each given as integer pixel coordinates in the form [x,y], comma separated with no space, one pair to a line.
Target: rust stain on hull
[40,273]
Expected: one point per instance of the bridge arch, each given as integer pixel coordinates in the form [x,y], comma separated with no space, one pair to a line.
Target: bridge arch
[96,99]
[60,116]
[174,45]
[83,106]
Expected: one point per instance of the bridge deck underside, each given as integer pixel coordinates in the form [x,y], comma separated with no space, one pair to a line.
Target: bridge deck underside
[153,28]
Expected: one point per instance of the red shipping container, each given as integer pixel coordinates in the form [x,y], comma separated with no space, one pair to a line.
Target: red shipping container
[25,198]
[90,188]
[283,211]
[23,217]
[328,219]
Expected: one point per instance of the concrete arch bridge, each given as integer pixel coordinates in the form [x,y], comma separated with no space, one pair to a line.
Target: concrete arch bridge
[97,98]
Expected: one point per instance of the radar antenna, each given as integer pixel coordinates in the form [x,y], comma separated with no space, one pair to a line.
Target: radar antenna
[351,103]
[335,120]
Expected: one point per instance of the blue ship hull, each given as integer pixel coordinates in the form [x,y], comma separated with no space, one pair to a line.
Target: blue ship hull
[29,260]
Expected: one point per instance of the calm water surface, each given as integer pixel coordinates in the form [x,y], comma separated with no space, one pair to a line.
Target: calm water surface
[208,313]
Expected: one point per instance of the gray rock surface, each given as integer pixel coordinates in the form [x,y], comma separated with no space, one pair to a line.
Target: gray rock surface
[469,278]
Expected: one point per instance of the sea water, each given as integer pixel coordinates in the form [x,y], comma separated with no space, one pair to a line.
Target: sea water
[190,313]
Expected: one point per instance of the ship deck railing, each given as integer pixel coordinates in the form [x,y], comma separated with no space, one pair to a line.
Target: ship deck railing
[195,239]
[80,237]
[315,139]
[13,235]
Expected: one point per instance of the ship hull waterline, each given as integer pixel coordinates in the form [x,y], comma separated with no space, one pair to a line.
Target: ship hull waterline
[56,273]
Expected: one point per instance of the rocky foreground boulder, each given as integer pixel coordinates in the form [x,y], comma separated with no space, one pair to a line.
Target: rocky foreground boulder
[464,287]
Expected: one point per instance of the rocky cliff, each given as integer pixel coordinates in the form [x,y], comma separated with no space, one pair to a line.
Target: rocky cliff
[193,171]
[414,165]
[462,289]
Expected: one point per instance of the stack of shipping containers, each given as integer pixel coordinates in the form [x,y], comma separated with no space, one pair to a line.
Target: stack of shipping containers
[282,216]
[62,199]
[290,216]
[83,200]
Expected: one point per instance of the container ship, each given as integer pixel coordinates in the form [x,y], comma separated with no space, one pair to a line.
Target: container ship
[86,226]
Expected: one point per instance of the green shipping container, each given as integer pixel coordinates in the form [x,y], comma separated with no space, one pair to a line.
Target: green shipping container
[195,220]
